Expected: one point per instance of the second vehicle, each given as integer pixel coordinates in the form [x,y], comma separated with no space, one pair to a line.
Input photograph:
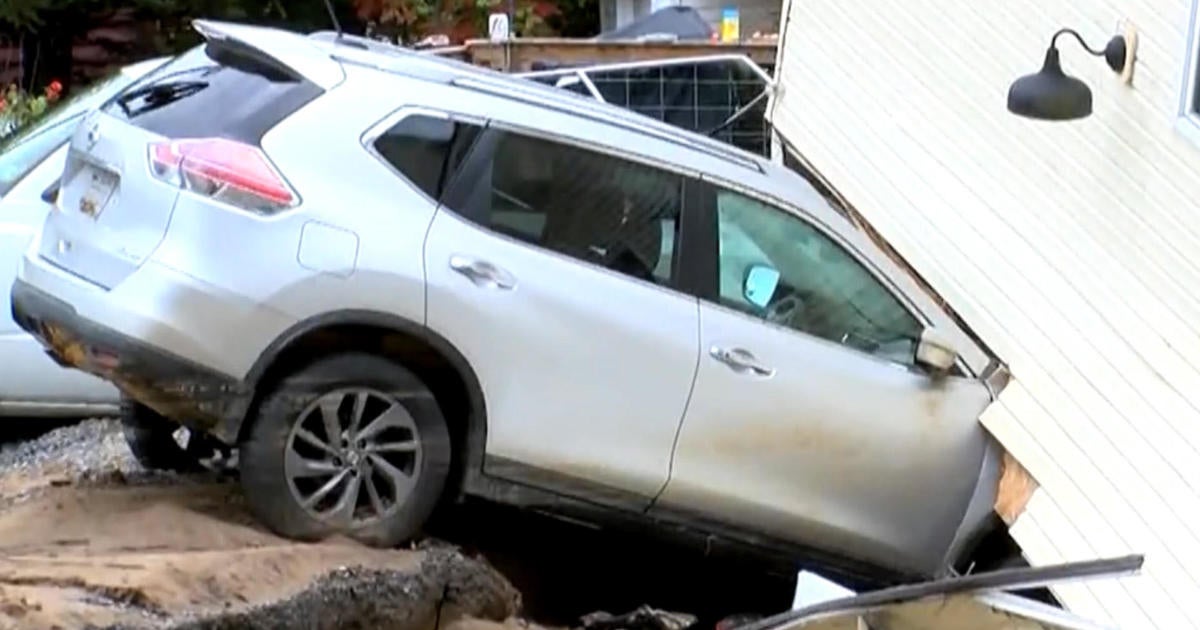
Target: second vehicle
[31,161]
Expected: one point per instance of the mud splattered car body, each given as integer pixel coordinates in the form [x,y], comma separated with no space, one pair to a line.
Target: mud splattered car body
[387,277]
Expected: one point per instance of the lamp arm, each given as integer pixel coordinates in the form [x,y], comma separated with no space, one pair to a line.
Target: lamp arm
[1078,38]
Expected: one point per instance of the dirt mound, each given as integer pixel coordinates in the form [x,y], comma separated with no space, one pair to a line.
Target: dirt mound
[89,540]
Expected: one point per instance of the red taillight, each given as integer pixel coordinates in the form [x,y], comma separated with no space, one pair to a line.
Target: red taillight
[226,170]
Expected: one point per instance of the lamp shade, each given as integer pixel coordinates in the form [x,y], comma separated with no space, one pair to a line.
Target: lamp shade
[1050,94]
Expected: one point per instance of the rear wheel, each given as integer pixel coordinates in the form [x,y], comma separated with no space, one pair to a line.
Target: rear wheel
[352,444]
[152,440]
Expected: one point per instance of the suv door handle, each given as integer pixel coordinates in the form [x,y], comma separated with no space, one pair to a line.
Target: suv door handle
[740,360]
[482,273]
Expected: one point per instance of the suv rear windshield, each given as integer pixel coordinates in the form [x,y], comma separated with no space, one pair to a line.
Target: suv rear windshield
[24,150]
[213,90]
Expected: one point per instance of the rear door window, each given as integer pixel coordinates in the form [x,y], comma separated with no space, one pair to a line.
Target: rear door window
[592,206]
[426,150]
[213,91]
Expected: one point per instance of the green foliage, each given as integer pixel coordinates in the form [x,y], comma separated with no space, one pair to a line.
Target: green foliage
[21,14]
[407,21]
[19,108]
[577,18]
[416,17]
[33,15]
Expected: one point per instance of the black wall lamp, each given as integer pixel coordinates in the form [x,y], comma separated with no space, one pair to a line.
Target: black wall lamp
[1050,94]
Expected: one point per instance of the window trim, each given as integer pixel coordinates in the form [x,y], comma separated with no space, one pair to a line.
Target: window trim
[711,291]
[595,147]
[374,132]
[1188,123]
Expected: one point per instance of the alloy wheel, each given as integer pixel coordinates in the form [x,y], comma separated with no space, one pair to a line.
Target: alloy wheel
[353,456]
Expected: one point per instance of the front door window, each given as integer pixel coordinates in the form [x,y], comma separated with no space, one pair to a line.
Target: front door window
[776,266]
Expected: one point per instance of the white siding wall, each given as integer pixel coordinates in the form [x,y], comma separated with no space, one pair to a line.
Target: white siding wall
[1073,249]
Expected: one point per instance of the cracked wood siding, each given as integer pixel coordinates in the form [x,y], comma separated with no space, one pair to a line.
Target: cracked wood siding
[1071,249]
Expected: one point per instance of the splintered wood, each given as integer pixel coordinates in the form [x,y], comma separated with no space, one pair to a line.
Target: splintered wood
[1015,489]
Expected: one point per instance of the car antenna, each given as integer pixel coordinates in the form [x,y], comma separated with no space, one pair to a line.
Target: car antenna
[337,26]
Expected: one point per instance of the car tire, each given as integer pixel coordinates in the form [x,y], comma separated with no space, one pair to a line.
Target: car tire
[151,439]
[284,469]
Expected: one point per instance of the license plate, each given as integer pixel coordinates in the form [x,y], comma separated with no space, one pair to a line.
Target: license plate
[98,187]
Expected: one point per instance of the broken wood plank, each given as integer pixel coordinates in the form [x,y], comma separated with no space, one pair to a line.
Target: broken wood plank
[518,55]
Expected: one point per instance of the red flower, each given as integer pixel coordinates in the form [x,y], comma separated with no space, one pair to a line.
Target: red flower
[53,91]
[3,104]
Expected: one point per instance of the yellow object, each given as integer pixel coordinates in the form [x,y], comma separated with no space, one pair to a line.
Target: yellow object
[729,25]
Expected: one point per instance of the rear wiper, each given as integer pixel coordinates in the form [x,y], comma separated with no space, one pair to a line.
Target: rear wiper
[158,95]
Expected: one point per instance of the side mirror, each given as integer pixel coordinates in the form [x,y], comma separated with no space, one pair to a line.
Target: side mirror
[759,284]
[936,351]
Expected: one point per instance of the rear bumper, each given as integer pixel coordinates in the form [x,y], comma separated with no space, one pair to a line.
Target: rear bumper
[184,391]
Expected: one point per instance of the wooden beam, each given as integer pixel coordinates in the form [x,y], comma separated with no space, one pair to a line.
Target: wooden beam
[1015,489]
[519,55]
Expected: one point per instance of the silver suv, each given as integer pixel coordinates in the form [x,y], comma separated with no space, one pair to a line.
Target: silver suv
[389,279]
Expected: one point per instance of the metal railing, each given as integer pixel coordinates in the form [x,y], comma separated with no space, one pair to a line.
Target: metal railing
[724,96]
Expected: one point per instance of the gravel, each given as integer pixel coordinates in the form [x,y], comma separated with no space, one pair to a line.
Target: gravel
[87,449]
[90,452]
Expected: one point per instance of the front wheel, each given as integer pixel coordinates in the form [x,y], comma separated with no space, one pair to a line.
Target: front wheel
[352,444]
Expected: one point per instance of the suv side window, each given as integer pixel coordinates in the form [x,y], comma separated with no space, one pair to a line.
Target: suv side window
[426,149]
[597,208]
[776,266]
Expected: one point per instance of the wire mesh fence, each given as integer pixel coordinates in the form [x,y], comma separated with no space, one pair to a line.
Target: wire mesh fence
[699,94]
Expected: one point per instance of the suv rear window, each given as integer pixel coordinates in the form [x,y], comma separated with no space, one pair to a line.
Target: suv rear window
[213,91]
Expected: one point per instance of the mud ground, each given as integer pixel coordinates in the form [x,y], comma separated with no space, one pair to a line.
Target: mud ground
[87,540]
[90,540]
